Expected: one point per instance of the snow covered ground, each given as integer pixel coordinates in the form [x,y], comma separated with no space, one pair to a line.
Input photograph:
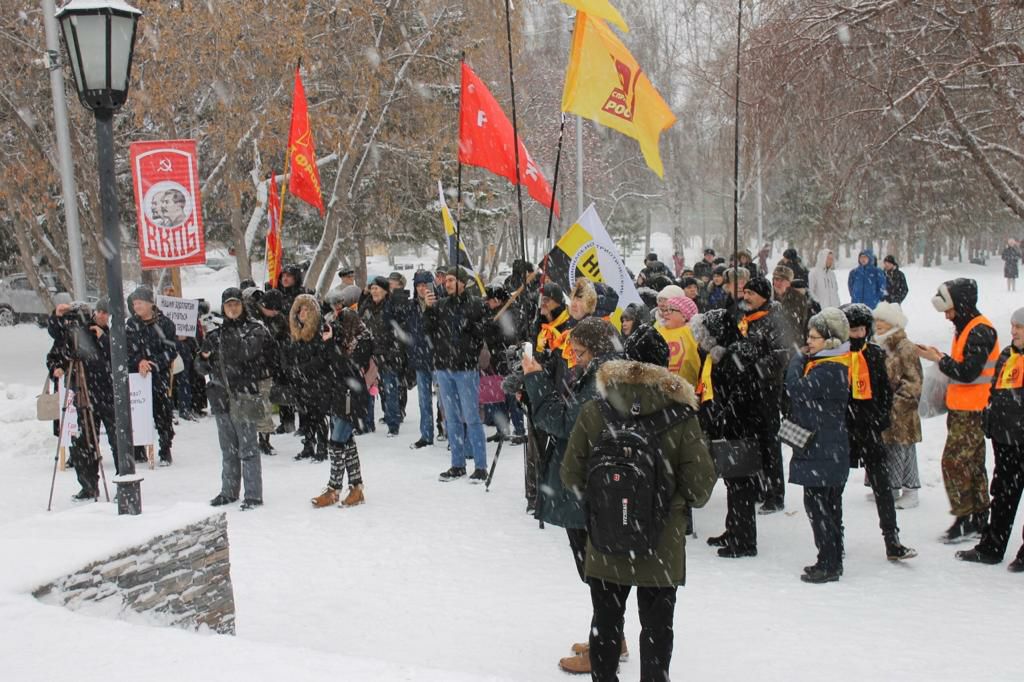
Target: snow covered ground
[432,581]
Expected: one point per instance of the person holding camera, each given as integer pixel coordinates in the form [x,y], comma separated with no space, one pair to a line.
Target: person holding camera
[236,357]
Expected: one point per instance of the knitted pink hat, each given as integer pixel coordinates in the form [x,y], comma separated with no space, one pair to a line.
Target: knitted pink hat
[683,304]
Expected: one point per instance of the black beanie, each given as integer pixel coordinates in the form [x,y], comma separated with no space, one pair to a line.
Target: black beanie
[646,344]
[381,282]
[761,287]
[273,300]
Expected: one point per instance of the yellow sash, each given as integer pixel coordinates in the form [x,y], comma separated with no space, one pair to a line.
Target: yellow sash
[550,335]
[838,359]
[744,324]
[705,389]
[1012,375]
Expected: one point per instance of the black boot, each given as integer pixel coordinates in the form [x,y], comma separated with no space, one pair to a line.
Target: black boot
[1017,565]
[976,556]
[963,529]
[895,551]
[265,447]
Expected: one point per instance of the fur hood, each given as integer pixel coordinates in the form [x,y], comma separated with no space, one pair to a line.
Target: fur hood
[628,372]
[304,332]
[584,290]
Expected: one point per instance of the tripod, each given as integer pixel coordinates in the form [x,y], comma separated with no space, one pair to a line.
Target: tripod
[76,388]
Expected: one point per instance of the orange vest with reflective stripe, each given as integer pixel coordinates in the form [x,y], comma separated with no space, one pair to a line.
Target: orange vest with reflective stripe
[972,396]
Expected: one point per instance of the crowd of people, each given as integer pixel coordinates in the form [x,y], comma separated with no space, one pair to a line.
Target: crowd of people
[719,367]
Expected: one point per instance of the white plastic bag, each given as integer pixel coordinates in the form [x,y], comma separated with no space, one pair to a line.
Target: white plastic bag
[933,393]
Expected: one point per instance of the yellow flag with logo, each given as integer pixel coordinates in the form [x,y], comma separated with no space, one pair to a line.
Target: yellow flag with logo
[602,9]
[606,84]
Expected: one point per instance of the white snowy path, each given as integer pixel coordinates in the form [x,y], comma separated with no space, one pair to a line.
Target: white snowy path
[432,581]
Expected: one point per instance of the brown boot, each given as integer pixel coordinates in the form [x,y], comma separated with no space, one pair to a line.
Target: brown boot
[354,497]
[580,648]
[577,665]
[326,498]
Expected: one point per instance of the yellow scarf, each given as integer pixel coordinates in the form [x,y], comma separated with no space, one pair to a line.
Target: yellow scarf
[550,335]
[839,359]
[1012,375]
[860,378]
[705,389]
[744,324]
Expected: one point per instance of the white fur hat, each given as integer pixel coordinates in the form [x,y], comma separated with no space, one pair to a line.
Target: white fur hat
[892,314]
[671,291]
[943,300]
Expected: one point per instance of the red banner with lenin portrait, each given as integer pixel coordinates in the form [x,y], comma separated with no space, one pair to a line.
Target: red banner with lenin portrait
[165,177]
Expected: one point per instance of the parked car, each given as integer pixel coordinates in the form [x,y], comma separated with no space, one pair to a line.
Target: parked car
[19,302]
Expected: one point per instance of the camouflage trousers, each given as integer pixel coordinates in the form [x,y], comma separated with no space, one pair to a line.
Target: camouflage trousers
[963,464]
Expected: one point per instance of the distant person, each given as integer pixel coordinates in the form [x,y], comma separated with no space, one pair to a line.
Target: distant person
[791,259]
[1011,260]
[678,263]
[762,257]
[823,284]
[867,281]
[896,288]
[704,269]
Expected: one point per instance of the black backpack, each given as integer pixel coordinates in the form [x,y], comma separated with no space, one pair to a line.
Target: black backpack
[628,487]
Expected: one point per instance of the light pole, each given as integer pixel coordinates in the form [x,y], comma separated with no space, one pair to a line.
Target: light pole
[100,38]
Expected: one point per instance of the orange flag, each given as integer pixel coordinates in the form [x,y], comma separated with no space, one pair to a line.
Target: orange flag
[274,246]
[305,180]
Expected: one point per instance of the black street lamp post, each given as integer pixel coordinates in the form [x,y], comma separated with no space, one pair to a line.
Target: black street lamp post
[100,38]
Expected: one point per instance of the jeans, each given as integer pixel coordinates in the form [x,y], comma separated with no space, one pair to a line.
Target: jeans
[341,430]
[460,395]
[424,389]
[506,414]
[389,398]
[240,455]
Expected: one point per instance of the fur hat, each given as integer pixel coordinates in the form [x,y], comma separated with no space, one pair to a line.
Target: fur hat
[761,287]
[831,323]
[1016,318]
[742,273]
[584,290]
[783,272]
[304,331]
[671,291]
[890,313]
[645,344]
[683,304]
[596,335]
[397,277]
[652,256]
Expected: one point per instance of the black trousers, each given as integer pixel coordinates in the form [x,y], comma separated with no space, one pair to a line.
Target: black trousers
[772,474]
[657,609]
[578,545]
[314,433]
[740,519]
[287,414]
[824,507]
[876,465]
[1007,484]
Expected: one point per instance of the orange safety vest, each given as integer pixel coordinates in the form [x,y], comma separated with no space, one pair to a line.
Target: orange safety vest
[1012,376]
[972,396]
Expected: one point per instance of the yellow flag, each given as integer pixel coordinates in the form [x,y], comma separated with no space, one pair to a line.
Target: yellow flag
[605,84]
[462,255]
[602,9]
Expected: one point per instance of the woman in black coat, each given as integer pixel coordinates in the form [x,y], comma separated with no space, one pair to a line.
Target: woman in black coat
[305,367]
[350,347]
[728,395]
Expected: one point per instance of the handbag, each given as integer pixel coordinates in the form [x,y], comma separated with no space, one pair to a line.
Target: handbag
[47,404]
[490,389]
[247,407]
[794,435]
[736,458]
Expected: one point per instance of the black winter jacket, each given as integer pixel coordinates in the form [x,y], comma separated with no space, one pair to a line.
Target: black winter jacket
[896,286]
[242,352]
[384,320]
[153,340]
[867,419]
[1004,416]
[456,328]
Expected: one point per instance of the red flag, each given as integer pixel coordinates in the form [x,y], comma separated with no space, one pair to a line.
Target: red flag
[274,247]
[485,139]
[305,180]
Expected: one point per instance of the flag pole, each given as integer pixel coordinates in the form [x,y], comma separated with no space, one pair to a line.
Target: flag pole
[551,208]
[454,260]
[515,128]
[736,160]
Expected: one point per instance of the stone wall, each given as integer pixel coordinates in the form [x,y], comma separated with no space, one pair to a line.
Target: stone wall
[182,579]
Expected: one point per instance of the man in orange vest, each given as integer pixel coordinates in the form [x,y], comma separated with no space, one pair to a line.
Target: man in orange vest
[970,367]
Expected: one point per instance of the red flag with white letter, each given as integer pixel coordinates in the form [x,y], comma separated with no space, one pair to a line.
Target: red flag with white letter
[165,177]
[486,135]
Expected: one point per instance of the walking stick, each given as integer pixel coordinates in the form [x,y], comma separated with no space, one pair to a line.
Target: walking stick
[494,463]
[60,433]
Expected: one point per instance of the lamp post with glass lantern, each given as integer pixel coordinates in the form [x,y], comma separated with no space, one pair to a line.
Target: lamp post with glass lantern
[100,38]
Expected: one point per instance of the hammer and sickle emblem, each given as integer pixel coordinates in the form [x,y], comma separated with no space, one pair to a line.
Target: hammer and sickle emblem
[165,165]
